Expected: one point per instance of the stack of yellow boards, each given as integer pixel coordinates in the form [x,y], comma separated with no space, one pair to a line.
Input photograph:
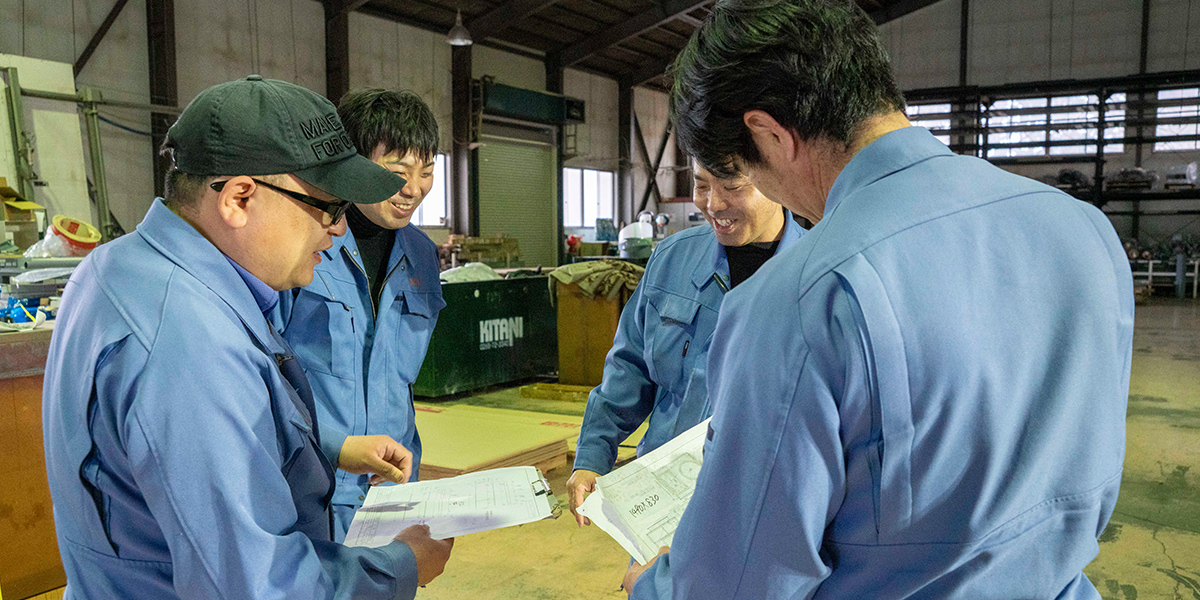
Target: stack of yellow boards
[464,439]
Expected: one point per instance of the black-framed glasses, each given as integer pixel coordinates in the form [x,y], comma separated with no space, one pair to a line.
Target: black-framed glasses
[333,209]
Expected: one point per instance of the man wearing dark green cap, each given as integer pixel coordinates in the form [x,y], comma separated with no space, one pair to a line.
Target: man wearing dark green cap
[181,446]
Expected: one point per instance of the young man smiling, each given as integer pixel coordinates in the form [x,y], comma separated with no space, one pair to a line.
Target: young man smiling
[361,328]
[656,367]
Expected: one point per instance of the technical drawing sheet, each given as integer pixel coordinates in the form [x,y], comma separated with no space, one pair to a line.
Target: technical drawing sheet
[640,504]
[452,507]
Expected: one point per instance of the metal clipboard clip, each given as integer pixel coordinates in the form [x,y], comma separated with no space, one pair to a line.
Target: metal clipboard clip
[542,488]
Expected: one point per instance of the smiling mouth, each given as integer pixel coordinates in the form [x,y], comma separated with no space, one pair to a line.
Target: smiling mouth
[404,205]
[724,223]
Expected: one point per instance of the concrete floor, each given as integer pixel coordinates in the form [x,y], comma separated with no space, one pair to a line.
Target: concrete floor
[1150,550]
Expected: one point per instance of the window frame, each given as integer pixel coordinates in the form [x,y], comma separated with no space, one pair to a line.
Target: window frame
[575,197]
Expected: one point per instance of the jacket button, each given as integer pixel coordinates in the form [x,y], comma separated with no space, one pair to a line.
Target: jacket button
[361,498]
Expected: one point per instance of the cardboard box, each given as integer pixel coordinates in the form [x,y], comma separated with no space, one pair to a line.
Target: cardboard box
[20,218]
[586,327]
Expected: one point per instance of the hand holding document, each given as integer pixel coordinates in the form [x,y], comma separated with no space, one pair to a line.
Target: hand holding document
[452,507]
[640,504]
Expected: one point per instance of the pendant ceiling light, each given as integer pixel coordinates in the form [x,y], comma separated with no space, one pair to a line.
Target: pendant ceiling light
[458,35]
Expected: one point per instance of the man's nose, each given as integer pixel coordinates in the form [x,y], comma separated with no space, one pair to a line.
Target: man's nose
[716,202]
[411,188]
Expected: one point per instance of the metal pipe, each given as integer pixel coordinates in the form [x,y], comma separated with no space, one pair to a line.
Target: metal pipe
[91,118]
[78,98]
[16,120]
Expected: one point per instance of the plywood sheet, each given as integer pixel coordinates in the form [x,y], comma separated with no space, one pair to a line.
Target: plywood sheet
[441,439]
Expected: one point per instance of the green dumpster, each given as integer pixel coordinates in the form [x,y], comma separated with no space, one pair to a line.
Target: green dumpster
[490,332]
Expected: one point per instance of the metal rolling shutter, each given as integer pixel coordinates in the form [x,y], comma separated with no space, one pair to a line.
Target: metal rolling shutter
[518,195]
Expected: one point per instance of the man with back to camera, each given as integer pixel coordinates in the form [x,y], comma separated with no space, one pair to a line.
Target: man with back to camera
[656,366]
[361,328]
[908,402]
[179,430]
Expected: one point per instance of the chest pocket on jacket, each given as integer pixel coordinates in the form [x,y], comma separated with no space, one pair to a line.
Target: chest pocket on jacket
[669,348]
[421,304]
[320,331]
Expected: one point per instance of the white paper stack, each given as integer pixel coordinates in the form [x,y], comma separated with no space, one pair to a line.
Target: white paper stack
[452,507]
[640,504]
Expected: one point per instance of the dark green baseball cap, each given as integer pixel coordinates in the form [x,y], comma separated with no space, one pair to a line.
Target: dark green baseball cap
[257,126]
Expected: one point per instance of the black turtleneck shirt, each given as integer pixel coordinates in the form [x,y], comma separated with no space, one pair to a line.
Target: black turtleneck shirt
[374,247]
[745,260]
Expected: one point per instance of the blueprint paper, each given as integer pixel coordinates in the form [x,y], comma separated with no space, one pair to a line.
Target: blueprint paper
[640,504]
[452,507]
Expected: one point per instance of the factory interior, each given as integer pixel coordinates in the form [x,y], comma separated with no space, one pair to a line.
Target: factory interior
[555,176]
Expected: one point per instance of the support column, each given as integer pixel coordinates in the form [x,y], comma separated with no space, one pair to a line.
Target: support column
[464,214]
[964,38]
[1135,225]
[554,85]
[625,206]
[965,115]
[337,50]
[164,88]
[554,73]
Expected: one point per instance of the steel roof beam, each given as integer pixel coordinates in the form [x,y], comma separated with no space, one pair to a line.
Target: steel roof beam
[661,12]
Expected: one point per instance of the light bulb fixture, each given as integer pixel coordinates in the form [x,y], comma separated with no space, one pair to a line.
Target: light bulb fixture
[458,35]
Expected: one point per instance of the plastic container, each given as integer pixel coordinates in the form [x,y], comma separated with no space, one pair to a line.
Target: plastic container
[79,237]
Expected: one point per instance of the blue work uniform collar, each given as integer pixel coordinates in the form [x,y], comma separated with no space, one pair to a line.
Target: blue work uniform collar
[892,152]
[183,245]
[348,242]
[264,295]
[718,265]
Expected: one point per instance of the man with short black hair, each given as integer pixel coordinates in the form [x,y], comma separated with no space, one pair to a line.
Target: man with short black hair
[925,396]
[183,452]
[655,370]
[362,326]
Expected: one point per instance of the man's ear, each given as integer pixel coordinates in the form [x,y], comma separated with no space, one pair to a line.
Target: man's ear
[233,201]
[771,138]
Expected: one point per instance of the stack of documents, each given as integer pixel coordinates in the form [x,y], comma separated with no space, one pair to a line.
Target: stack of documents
[452,507]
[640,504]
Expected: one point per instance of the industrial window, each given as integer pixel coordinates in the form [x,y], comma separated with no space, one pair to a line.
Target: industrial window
[587,196]
[432,211]
[1182,105]
[1070,117]
[1039,126]
[934,117]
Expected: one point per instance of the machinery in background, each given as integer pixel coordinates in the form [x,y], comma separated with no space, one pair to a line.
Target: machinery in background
[499,252]
[637,240]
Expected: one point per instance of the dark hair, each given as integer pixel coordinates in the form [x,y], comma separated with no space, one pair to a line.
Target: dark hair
[816,66]
[181,190]
[398,119]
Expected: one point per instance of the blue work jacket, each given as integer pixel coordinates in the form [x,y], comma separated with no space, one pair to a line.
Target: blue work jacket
[923,398]
[181,462]
[656,365]
[361,359]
